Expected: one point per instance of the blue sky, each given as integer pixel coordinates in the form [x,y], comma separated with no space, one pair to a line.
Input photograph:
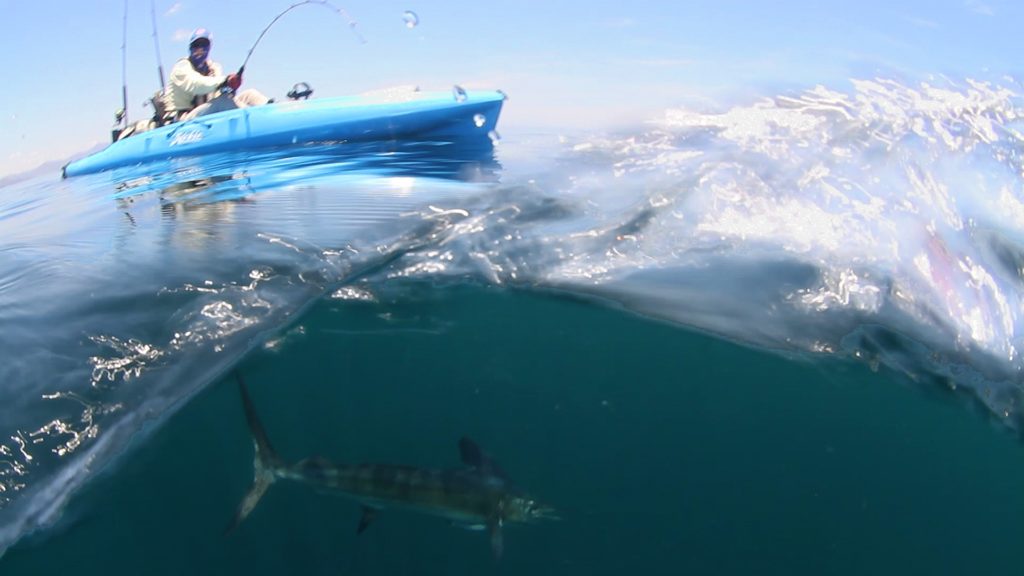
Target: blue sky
[564,63]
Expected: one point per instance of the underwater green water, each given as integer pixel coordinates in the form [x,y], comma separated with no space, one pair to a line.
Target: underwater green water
[664,450]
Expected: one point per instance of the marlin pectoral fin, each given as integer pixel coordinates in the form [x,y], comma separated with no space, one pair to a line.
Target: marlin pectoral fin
[472,455]
[497,540]
[368,516]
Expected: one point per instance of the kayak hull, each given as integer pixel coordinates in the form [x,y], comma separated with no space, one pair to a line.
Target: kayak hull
[440,116]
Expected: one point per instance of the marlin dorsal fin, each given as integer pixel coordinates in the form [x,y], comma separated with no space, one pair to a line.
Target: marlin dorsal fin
[473,456]
[369,515]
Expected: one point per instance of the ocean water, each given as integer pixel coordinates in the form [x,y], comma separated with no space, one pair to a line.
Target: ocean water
[774,337]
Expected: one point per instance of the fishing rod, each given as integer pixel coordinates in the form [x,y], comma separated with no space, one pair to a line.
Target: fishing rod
[123,116]
[341,11]
[156,44]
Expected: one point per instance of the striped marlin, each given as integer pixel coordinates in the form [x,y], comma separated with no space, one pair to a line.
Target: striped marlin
[477,496]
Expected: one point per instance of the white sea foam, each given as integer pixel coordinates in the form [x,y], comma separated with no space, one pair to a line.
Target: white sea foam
[823,222]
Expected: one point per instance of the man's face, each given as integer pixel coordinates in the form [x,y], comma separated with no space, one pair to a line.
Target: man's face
[198,52]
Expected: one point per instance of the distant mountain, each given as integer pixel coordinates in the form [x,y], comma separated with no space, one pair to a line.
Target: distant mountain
[53,166]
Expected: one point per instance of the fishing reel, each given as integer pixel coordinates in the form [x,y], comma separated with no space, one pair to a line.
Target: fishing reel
[120,124]
[300,91]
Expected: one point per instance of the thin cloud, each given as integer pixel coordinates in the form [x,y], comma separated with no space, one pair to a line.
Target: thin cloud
[979,7]
[923,23]
[617,23]
[173,9]
[181,35]
[655,62]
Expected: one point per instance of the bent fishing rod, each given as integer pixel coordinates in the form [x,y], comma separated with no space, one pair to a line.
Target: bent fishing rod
[341,11]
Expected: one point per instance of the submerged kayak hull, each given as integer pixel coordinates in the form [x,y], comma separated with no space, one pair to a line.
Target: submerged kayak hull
[413,115]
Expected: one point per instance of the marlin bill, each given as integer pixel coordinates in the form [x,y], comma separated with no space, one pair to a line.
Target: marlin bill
[477,496]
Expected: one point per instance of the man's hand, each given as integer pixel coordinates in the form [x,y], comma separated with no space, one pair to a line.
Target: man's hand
[234,81]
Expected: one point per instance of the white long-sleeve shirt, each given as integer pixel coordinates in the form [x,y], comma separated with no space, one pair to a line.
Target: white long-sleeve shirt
[186,83]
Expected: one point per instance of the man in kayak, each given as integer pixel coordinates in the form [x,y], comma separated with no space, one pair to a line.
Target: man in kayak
[195,82]
[194,89]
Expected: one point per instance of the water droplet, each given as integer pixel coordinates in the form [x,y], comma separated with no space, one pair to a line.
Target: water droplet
[495,137]
[459,92]
[410,18]
[479,120]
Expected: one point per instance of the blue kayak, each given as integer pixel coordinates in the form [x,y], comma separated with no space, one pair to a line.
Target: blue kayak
[442,116]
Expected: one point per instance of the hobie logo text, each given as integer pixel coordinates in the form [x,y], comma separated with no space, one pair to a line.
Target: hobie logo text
[186,137]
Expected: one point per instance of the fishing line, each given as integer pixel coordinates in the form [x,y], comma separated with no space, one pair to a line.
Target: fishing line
[341,11]
[156,44]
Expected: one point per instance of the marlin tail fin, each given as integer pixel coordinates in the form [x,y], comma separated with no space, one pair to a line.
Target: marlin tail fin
[266,464]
